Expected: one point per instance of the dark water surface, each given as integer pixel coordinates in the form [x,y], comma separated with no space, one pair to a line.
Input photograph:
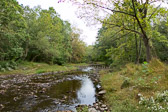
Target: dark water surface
[43,93]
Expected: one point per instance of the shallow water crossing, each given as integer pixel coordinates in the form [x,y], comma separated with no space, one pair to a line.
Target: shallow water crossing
[53,92]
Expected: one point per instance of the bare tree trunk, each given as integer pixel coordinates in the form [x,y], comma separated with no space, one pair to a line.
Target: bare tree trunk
[148,49]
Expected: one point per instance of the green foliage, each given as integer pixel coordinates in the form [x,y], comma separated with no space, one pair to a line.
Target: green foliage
[8,65]
[122,36]
[78,48]
[82,109]
[36,34]
[146,83]
[12,27]
[145,68]
[160,39]
[143,73]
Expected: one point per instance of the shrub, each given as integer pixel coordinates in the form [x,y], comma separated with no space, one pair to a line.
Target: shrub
[8,65]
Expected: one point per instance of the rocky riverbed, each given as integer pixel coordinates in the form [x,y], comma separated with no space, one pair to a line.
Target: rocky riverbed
[54,91]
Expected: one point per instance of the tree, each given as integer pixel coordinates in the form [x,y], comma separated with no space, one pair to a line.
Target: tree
[116,47]
[36,34]
[12,33]
[120,45]
[160,34]
[78,47]
[53,34]
[137,10]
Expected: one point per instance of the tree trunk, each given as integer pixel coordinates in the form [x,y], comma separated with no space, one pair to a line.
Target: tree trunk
[136,46]
[2,57]
[140,49]
[137,53]
[148,49]
[26,52]
[143,26]
[35,57]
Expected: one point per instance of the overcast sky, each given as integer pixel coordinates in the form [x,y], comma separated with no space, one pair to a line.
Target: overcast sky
[67,12]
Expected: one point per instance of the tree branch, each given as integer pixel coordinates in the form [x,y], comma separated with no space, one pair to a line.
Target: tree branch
[152,1]
[146,8]
[117,32]
[123,27]
[121,36]
[139,23]
[154,12]
[111,9]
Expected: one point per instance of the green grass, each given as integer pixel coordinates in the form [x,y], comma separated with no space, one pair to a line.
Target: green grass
[146,79]
[82,109]
[28,68]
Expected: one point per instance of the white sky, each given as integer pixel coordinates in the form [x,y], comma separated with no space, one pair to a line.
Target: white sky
[67,12]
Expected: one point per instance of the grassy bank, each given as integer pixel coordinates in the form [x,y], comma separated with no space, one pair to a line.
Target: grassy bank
[137,88]
[28,68]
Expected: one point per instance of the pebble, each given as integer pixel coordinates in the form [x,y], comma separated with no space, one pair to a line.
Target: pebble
[102,109]
[97,107]
[35,96]
[106,108]
[103,106]
[92,110]
[2,106]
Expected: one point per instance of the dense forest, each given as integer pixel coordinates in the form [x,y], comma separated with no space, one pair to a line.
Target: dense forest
[35,34]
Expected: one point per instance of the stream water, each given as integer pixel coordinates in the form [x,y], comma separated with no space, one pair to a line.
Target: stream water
[43,93]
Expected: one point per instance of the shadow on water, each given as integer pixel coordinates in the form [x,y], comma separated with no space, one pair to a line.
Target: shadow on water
[43,93]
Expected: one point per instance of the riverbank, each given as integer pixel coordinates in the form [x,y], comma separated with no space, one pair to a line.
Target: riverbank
[137,88]
[29,68]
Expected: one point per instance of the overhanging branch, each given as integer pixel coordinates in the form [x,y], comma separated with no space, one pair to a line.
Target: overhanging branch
[123,27]
[120,37]
[154,12]
[139,23]
[112,9]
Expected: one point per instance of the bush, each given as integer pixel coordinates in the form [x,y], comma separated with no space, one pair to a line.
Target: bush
[8,65]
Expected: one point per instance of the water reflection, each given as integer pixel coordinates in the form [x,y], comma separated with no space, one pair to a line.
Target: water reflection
[70,93]
[86,93]
[65,91]
[87,69]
